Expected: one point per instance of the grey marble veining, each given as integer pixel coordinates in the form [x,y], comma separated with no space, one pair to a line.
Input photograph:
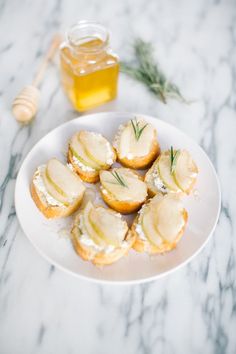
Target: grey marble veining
[43,310]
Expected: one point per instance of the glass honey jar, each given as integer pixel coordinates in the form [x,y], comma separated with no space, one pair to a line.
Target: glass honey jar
[89,68]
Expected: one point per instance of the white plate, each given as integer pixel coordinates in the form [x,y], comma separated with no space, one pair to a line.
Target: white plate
[46,235]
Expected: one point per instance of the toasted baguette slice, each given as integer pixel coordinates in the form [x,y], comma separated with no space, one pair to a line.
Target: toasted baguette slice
[181,180]
[136,144]
[52,211]
[56,190]
[160,225]
[107,236]
[88,153]
[123,189]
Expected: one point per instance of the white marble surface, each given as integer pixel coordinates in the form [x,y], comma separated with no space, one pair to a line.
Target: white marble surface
[43,310]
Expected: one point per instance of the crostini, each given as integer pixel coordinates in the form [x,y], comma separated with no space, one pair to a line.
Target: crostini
[136,144]
[122,189]
[88,153]
[56,190]
[173,171]
[159,225]
[100,235]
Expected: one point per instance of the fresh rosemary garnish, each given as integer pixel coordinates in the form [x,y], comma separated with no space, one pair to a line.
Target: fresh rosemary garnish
[173,159]
[119,179]
[148,72]
[136,127]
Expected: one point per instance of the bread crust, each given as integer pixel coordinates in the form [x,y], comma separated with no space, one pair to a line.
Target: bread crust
[123,207]
[142,162]
[50,211]
[100,258]
[145,246]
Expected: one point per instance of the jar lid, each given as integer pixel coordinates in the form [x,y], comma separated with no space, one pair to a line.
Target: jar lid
[85,31]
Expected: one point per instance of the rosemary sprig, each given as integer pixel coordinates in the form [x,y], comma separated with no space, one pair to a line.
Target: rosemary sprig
[119,179]
[137,130]
[173,159]
[149,73]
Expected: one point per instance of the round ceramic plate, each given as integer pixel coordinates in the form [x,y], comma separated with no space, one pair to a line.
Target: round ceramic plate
[51,237]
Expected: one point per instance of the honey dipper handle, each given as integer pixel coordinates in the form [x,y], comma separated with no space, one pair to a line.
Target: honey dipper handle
[50,54]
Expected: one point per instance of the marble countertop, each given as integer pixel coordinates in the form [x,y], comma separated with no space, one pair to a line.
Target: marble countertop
[43,310]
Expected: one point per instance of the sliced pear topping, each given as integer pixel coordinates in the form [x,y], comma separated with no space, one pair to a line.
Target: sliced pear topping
[97,148]
[165,173]
[108,225]
[103,226]
[142,145]
[148,227]
[123,184]
[78,151]
[185,171]
[150,177]
[168,216]
[52,189]
[136,139]
[90,230]
[124,141]
[58,189]
[63,180]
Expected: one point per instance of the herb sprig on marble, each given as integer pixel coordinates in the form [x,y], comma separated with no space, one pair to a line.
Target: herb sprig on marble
[147,71]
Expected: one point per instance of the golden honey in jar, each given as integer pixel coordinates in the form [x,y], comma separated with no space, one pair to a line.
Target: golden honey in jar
[89,68]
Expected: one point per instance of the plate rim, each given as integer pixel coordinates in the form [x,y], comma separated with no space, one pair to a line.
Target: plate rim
[120,282]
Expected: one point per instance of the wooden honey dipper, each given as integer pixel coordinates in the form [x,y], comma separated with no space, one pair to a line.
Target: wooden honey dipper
[25,105]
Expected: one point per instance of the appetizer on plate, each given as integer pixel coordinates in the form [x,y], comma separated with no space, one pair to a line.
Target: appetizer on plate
[88,153]
[136,144]
[56,190]
[173,171]
[123,189]
[159,225]
[101,235]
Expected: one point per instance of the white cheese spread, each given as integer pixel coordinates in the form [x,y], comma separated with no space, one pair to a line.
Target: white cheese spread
[82,166]
[39,184]
[118,134]
[70,167]
[104,191]
[158,183]
[138,226]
